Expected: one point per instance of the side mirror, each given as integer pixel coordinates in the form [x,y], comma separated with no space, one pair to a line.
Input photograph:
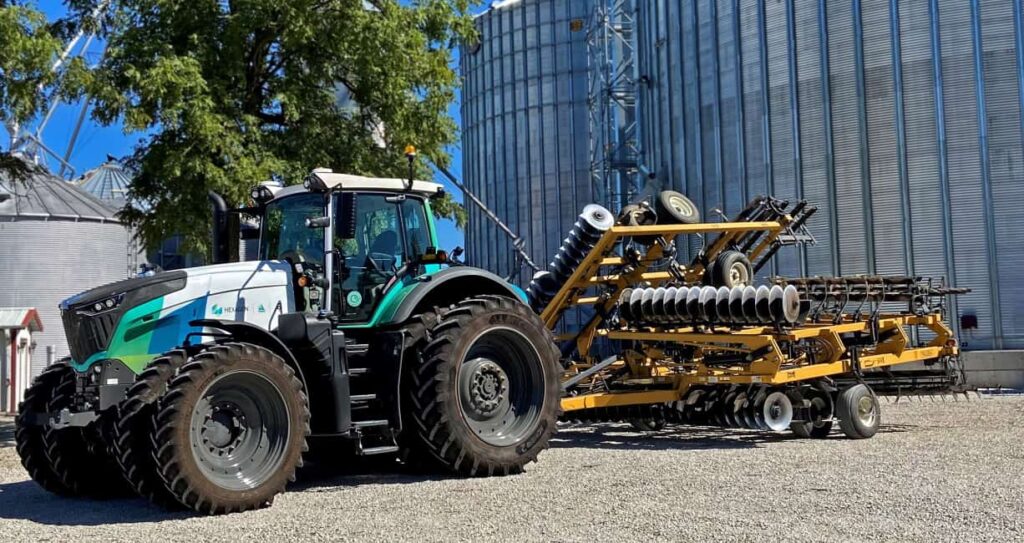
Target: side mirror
[345,226]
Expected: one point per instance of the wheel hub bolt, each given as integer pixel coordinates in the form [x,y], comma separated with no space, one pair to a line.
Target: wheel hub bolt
[489,387]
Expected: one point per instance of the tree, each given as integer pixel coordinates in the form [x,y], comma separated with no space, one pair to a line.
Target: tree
[28,47]
[235,92]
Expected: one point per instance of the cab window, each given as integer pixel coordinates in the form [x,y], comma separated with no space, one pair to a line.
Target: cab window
[389,231]
[285,234]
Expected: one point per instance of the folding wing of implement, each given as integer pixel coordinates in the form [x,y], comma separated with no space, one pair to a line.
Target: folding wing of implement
[663,341]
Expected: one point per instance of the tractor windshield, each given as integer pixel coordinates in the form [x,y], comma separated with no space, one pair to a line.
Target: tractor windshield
[285,234]
[389,231]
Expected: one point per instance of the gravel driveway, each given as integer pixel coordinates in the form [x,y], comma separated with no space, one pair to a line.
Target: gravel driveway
[952,470]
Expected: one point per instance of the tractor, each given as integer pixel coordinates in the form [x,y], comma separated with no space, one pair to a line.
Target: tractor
[201,388]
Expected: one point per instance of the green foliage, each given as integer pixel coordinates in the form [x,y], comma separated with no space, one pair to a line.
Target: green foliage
[240,91]
[28,48]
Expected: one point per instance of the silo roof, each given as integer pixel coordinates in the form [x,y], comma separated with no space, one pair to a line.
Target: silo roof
[109,182]
[43,196]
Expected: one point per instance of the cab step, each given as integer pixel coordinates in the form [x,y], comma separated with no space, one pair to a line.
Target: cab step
[386,449]
[370,423]
[357,348]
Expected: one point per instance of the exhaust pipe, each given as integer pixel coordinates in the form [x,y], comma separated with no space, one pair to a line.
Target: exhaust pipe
[221,249]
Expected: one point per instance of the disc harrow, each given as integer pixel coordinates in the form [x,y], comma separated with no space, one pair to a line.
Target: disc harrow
[702,343]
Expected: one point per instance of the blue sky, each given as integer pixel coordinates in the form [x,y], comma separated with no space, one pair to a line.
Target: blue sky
[95,142]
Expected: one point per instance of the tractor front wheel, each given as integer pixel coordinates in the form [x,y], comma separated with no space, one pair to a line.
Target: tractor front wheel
[131,433]
[231,429]
[30,426]
[484,396]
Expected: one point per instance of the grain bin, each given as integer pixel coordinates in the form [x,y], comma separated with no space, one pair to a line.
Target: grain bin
[55,240]
[525,127]
[902,120]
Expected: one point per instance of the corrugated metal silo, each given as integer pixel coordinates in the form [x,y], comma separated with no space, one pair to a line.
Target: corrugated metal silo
[55,240]
[901,120]
[525,126]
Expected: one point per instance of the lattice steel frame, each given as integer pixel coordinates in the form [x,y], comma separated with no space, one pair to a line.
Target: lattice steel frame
[611,100]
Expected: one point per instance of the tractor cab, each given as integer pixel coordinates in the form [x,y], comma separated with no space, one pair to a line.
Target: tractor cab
[349,239]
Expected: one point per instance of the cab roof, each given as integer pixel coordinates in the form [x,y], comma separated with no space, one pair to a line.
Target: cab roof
[322,179]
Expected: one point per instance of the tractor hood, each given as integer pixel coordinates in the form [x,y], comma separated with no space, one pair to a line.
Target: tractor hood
[136,320]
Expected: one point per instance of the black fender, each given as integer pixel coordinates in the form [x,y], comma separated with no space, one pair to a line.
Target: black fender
[250,333]
[449,286]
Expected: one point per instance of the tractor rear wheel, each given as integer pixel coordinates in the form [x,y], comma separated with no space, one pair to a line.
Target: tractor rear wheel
[231,429]
[80,456]
[131,443]
[29,429]
[483,396]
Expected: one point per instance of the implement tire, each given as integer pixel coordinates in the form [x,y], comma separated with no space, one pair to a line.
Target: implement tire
[731,269]
[79,456]
[675,208]
[231,429]
[858,412]
[483,396]
[131,442]
[28,433]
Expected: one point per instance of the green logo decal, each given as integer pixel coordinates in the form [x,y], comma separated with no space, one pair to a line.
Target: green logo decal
[217,310]
[261,309]
[354,299]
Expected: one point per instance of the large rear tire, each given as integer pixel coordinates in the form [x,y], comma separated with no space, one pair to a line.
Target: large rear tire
[231,429]
[131,442]
[29,430]
[483,397]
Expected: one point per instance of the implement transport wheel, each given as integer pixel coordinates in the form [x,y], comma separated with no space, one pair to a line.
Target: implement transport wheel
[29,429]
[79,456]
[731,269]
[131,432]
[231,429]
[816,419]
[858,412]
[483,394]
[674,208]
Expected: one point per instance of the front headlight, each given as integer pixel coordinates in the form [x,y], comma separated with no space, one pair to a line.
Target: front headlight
[104,305]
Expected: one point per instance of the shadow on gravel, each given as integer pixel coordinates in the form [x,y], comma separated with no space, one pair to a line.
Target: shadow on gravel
[6,431]
[624,437]
[25,500]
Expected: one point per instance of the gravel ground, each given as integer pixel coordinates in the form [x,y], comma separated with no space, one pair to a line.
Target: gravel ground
[952,471]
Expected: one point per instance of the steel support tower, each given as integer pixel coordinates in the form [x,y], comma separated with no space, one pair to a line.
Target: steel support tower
[612,96]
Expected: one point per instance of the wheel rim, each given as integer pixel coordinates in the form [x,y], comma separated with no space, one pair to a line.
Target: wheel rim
[739,275]
[680,205]
[240,430]
[866,412]
[501,387]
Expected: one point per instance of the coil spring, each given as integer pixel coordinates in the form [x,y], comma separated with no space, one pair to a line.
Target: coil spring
[592,223]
